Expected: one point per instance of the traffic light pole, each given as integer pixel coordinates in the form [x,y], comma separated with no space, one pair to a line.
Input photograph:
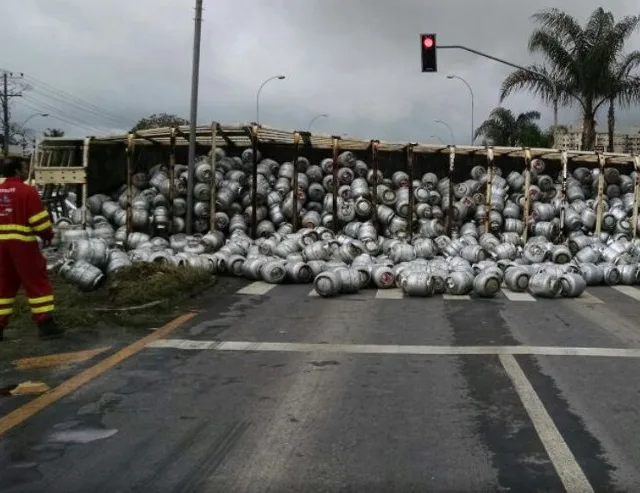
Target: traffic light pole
[499,60]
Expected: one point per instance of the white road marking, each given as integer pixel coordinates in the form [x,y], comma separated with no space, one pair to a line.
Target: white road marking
[563,460]
[629,291]
[299,347]
[515,296]
[390,294]
[452,297]
[586,297]
[313,293]
[257,288]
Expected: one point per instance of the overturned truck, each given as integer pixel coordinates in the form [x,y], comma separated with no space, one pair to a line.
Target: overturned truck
[342,213]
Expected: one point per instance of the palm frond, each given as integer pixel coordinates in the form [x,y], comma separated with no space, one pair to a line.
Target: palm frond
[561,61]
[566,27]
[528,116]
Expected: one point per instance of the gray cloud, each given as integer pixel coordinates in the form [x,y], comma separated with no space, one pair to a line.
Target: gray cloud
[357,60]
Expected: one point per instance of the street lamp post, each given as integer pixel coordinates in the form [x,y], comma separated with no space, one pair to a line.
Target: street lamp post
[24,133]
[453,76]
[450,129]
[43,115]
[437,137]
[321,115]
[275,77]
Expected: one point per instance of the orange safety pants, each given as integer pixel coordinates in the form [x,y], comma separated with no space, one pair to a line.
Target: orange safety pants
[22,264]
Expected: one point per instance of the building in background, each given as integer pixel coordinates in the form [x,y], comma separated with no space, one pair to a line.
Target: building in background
[624,140]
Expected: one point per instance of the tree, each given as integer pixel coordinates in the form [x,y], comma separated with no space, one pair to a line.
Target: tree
[54,132]
[586,63]
[503,128]
[625,90]
[16,134]
[158,121]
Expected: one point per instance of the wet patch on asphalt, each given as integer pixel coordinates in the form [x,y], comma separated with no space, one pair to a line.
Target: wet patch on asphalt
[518,455]
[585,447]
[509,434]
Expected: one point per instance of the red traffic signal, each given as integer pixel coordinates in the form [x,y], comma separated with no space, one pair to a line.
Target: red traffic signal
[428,49]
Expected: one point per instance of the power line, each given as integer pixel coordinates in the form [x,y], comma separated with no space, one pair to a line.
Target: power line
[56,109]
[63,119]
[46,87]
[78,107]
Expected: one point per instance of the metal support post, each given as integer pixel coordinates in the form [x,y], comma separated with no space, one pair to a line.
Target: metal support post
[294,193]
[600,204]
[334,191]
[489,194]
[212,185]
[452,162]
[254,179]
[527,194]
[410,162]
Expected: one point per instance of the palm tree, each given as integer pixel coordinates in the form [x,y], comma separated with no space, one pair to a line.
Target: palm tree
[503,128]
[625,89]
[54,132]
[587,64]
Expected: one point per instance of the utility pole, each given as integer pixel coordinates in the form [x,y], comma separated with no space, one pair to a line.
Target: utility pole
[194,114]
[6,120]
[5,113]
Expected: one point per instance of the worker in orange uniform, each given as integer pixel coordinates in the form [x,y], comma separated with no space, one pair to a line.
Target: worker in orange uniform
[23,219]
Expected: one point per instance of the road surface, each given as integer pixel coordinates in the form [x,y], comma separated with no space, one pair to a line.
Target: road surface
[273,389]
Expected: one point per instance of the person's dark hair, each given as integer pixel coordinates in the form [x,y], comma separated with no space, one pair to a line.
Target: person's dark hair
[9,167]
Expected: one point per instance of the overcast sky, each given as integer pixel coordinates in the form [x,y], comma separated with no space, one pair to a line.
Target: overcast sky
[357,60]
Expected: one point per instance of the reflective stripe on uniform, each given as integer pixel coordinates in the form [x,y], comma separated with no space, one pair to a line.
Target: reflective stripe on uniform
[42,309]
[6,311]
[41,227]
[37,217]
[18,237]
[7,301]
[16,227]
[42,299]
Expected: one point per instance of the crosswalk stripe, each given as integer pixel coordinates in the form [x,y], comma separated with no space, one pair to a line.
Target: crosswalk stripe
[257,288]
[260,288]
[390,294]
[586,297]
[515,296]
[455,297]
[629,291]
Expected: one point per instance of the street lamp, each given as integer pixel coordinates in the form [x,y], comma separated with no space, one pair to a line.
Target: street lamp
[437,137]
[453,76]
[43,115]
[449,127]
[321,115]
[278,77]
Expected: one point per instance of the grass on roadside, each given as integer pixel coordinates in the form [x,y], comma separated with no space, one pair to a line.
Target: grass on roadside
[137,285]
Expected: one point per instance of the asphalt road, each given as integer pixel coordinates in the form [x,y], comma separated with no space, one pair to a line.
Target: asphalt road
[280,391]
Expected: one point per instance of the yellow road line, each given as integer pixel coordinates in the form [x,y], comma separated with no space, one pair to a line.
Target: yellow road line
[25,412]
[57,359]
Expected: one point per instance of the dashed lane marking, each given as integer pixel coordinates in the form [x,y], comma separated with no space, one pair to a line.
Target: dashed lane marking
[299,347]
[257,288]
[456,297]
[390,294]
[571,475]
[629,291]
[514,296]
[586,297]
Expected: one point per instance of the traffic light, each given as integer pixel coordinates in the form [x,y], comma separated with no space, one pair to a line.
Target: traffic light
[428,49]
